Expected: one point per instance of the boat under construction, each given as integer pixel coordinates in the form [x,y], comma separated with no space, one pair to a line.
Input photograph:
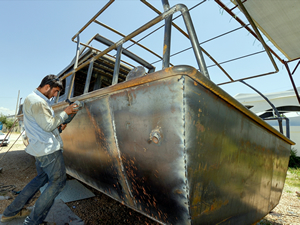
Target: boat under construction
[170,143]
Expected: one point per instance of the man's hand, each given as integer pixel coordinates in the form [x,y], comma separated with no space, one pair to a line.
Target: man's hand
[63,126]
[71,109]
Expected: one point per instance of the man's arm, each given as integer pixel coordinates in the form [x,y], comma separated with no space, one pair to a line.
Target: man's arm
[43,116]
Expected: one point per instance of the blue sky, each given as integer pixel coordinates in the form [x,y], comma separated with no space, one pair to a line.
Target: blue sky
[36,41]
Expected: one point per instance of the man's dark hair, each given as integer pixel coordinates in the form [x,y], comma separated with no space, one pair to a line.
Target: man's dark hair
[52,80]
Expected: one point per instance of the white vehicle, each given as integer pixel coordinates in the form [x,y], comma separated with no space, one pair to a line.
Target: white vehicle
[6,141]
[287,105]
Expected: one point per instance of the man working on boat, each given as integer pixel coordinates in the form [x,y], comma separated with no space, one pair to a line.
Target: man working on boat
[46,145]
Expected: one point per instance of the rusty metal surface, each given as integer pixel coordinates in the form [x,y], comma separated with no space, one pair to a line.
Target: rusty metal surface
[175,147]
[130,145]
[153,164]
[189,72]
[236,168]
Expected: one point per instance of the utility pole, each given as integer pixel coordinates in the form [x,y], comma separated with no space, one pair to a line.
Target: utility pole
[17,105]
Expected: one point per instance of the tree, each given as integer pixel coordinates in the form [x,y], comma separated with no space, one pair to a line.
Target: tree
[3,118]
[9,123]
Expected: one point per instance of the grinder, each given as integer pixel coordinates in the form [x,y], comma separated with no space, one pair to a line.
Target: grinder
[71,116]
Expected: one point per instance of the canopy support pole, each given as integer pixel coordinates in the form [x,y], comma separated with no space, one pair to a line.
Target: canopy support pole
[292,80]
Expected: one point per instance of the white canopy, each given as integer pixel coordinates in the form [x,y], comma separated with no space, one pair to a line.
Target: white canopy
[279,20]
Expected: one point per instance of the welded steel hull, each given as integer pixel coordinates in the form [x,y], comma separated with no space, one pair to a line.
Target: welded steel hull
[178,149]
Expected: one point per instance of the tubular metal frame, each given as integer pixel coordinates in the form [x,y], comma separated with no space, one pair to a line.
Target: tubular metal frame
[191,31]
[292,80]
[229,11]
[166,5]
[129,54]
[167,37]
[255,33]
[123,35]
[167,15]
[287,124]
[279,118]
[218,64]
[167,34]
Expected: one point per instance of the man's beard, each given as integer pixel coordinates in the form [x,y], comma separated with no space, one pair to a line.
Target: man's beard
[48,94]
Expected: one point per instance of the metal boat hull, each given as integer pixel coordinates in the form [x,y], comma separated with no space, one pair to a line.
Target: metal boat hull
[175,147]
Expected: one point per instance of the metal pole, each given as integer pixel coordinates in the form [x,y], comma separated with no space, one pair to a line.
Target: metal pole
[117,65]
[93,19]
[274,108]
[167,36]
[88,77]
[244,10]
[128,37]
[189,26]
[20,111]
[17,104]
[292,80]
[74,68]
[125,52]
[194,40]
[123,35]
[296,68]
[187,36]
[243,24]
[287,126]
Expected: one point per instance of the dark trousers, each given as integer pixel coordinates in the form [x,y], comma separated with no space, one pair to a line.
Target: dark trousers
[50,168]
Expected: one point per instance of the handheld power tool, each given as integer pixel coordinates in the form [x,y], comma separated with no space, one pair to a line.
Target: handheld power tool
[71,116]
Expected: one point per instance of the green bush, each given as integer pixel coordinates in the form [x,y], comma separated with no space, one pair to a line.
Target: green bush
[294,160]
[9,123]
[2,118]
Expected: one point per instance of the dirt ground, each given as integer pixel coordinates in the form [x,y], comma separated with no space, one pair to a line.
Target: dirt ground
[18,169]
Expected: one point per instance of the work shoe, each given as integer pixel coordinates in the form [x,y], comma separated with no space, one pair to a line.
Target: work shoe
[22,213]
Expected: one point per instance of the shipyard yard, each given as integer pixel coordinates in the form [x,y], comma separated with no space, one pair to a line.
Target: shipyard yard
[19,169]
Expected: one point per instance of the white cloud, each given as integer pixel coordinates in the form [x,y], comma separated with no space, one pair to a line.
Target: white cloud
[6,111]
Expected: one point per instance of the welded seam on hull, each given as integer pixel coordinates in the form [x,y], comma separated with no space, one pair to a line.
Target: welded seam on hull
[120,158]
[184,145]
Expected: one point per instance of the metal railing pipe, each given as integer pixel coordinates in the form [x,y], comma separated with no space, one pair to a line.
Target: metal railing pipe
[167,36]
[74,68]
[224,7]
[287,125]
[296,68]
[187,36]
[133,41]
[129,54]
[292,81]
[92,20]
[128,37]
[117,65]
[88,77]
[244,10]
[194,40]
[279,118]
[191,31]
